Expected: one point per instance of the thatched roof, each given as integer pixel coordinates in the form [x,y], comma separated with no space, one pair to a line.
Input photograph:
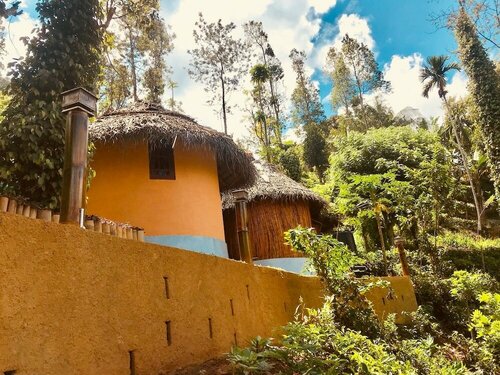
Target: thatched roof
[157,125]
[274,185]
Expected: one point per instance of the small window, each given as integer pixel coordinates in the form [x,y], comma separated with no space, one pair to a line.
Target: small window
[161,162]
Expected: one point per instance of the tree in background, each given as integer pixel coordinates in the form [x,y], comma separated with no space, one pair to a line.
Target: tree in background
[64,53]
[307,112]
[137,42]
[343,90]
[160,45]
[219,61]
[386,172]
[433,75]
[259,75]
[258,38]
[355,73]
[484,87]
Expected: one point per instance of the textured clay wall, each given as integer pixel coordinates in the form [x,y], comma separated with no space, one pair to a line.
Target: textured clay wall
[78,302]
[122,191]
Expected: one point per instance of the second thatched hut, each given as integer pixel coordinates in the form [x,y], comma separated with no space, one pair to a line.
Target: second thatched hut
[276,204]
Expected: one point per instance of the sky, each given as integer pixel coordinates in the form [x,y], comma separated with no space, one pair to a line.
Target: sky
[397,31]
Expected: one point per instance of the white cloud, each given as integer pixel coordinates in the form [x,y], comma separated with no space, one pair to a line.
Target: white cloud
[403,74]
[21,26]
[352,24]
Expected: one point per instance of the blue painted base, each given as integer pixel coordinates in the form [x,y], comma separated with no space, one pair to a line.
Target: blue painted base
[295,265]
[199,244]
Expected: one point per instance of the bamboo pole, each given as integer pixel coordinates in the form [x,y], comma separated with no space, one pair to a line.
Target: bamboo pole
[4,204]
[98,226]
[12,206]
[20,209]
[106,228]
[27,211]
[45,215]
[89,224]
[113,229]
[140,235]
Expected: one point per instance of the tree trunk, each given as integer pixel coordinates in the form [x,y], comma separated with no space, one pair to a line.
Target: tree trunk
[382,242]
[224,116]
[465,161]
[133,68]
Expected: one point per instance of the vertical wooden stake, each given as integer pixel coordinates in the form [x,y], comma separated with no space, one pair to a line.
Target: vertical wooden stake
[4,204]
[402,256]
[241,197]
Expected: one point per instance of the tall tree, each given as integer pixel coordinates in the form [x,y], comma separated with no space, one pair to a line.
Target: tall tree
[259,75]
[257,37]
[433,75]
[307,111]
[137,42]
[63,54]
[343,90]
[356,72]
[484,87]
[219,61]
[160,45]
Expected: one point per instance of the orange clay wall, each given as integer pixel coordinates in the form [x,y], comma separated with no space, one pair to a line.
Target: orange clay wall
[78,302]
[188,205]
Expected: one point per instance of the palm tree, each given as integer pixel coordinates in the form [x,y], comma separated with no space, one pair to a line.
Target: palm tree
[172,85]
[433,75]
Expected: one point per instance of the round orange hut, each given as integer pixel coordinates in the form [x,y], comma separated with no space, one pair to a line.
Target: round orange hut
[162,171]
[276,204]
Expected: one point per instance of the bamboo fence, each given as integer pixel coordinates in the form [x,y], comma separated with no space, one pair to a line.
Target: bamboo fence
[94,223]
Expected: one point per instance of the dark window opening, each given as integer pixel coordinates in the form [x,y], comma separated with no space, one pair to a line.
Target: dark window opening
[161,162]
[10,372]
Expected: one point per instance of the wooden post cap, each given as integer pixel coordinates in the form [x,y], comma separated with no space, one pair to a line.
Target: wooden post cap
[79,98]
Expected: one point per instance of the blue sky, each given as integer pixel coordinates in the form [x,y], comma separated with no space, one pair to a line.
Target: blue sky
[398,31]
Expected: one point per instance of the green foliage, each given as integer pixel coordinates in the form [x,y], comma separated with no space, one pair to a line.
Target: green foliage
[63,54]
[291,163]
[485,323]
[307,112]
[402,173]
[484,87]
[332,261]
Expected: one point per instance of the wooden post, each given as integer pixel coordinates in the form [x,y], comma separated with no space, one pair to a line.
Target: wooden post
[140,235]
[45,215]
[79,104]
[26,210]
[241,197]
[89,224]
[12,206]
[402,256]
[20,209]
[33,213]
[4,204]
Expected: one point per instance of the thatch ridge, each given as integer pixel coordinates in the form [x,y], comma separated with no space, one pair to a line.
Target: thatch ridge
[272,184]
[152,122]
